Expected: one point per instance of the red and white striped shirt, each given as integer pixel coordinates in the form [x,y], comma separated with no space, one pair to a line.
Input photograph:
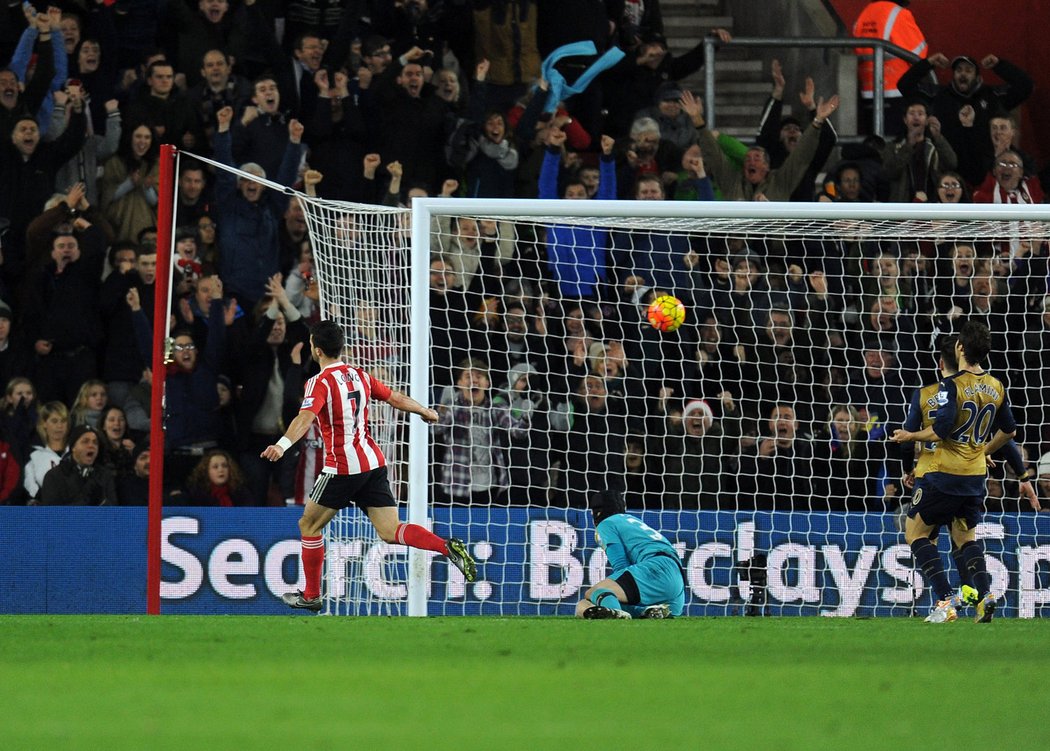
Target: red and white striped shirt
[339,395]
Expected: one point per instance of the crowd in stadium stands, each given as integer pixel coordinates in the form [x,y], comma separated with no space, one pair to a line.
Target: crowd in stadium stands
[549,381]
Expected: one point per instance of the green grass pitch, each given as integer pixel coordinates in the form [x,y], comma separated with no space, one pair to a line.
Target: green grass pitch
[308,682]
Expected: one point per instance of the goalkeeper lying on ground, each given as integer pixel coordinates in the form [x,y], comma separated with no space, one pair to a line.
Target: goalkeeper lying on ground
[647,579]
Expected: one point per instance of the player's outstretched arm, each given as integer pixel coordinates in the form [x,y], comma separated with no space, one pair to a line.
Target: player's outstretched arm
[296,430]
[406,403]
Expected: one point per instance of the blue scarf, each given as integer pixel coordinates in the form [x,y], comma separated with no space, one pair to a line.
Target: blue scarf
[560,89]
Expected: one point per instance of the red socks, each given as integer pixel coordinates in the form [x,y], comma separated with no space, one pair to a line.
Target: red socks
[313,562]
[416,536]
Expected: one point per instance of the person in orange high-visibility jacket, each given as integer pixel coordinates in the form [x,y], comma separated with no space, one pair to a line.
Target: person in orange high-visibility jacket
[893,22]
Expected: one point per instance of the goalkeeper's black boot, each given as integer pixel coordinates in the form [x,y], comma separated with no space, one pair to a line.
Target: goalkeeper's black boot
[598,613]
[461,559]
[296,600]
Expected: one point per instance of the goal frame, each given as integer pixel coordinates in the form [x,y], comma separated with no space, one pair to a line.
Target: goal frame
[425,209]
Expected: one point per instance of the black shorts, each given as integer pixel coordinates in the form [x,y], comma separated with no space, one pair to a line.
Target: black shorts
[365,490]
[939,508]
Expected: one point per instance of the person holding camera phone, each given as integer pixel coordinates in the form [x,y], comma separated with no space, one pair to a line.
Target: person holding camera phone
[914,162]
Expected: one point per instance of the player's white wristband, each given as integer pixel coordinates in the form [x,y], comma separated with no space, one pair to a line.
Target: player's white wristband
[284,443]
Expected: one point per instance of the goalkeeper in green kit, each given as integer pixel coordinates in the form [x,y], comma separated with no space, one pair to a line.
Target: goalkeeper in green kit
[647,581]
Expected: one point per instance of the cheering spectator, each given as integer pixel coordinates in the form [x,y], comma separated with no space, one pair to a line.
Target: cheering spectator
[1007,182]
[219,87]
[164,108]
[636,78]
[262,361]
[129,183]
[779,136]
[191,394]
[758,180]
[80,478]
[189,33]
[913,162]
[412,117]
[122,364]
[965,106]
[475,469]
[27,180]
[62,314]
[247,209]
[261,132]
[17,97]
[782,460]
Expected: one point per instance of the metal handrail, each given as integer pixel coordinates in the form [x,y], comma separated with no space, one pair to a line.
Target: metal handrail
[880,46]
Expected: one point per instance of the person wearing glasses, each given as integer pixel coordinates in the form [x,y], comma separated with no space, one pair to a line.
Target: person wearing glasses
[191,419]
[951,188]
[1008,183]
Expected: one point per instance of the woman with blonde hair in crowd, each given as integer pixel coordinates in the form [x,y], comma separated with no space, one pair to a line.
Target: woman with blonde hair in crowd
[91,400]
[52,427]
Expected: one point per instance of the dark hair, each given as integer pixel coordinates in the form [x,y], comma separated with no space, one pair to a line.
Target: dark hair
[62,230]
[266,76]
[158,64]
[192,165]
[976,341]
[917,100]
[302,36]
[948,356]
[607,503]
[328,337]
[119,246]
[127,155]
[100,424]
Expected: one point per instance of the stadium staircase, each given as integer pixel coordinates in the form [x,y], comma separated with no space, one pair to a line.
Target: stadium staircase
[741,82]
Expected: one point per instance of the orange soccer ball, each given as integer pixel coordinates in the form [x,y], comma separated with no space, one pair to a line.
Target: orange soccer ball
[666,313]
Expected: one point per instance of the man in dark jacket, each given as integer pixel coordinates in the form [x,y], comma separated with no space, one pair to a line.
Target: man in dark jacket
[79,479]
[249,215]
[412,121]
[61,317]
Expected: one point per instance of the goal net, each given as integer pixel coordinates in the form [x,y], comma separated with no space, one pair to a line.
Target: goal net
[753,437]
